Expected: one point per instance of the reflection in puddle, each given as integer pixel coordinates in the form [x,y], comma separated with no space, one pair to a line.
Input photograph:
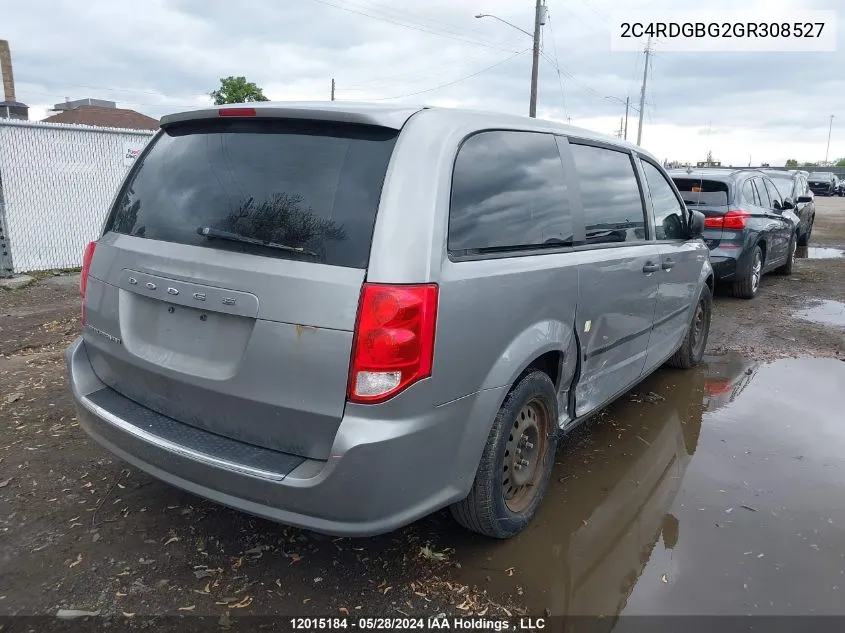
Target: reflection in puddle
[818,252]
[723,497]
[824,311]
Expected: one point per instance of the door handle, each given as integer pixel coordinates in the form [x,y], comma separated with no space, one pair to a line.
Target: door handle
[650,267]
[668,263]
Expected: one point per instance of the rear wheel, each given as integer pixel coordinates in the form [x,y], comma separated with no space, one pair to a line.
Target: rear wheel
[691,351]
[805,238]
[787,268]
[517,462]
[747,287]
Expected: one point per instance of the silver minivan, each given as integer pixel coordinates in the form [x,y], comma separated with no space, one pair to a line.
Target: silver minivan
[345,317]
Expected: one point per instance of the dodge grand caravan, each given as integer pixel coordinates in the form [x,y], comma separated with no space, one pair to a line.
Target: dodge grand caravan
[345,317]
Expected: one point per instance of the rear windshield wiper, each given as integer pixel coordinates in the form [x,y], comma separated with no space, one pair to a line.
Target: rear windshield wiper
[211,233]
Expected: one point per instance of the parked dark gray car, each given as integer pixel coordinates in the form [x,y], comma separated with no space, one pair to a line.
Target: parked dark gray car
[747,228]
[823,183]
[346,317]
[796,195]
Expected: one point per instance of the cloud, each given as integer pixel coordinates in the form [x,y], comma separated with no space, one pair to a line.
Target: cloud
[170,54]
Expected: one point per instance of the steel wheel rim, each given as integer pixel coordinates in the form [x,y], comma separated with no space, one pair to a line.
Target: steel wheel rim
[525,456]
[756,269]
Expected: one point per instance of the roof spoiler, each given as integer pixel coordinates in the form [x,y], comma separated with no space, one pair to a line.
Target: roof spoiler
[394,118]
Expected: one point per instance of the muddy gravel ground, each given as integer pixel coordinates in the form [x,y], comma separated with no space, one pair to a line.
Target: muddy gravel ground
[81,530]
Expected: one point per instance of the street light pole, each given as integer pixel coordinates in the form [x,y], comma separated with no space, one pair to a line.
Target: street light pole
[539,20]
[829,130]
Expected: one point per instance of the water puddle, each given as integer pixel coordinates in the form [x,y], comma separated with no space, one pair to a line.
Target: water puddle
[721,494]
[824,311]
[819,252]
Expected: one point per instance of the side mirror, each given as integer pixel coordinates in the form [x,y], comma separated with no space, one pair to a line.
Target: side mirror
[804,199]
[787,204]
[696,224]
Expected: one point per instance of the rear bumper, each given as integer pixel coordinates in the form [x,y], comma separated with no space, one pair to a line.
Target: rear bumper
[382,474]
[724,266]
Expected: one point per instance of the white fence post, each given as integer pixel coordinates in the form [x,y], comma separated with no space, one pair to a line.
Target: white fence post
[56,182]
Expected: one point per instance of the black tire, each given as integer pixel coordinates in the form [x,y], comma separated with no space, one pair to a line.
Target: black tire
[747,287]
[789,266]
[691,351]
[805,239]
[486,509]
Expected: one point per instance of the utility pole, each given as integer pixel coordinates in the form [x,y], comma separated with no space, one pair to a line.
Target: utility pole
[627,101]
[535,64]
[829,130]
[642,92]
[332,88]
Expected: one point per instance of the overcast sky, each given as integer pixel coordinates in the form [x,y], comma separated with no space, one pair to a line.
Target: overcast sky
[160,56]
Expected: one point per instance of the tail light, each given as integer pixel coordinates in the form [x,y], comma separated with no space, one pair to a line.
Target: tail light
[394,340]
[734,220]
[87,256]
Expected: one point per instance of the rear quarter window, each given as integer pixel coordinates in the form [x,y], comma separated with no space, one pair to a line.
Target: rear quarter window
[313,187]
[508,193]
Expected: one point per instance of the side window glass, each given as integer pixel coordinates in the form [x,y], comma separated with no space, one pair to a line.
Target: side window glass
[765,201]
[613,208]
[748,194]
[668,212]
[509,192]
[774,196]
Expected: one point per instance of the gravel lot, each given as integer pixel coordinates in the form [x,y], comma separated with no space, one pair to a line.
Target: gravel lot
[82,530]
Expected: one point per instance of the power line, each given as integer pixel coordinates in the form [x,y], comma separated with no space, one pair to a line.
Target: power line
[578,17]
[418,28]
[384,8]
[604,16]
[450,83]
[572,78]
[421,73]
[557,65]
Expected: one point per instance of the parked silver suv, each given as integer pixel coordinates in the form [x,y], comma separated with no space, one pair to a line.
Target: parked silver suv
[345,317]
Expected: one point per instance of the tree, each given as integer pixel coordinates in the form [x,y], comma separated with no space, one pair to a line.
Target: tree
[791,163]
[840,162]
[236,90]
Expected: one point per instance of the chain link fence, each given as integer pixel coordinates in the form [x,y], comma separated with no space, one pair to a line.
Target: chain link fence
[56,183]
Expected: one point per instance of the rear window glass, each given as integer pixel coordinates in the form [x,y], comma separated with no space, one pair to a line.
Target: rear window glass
[303,190]
[821,175]
[705,193]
